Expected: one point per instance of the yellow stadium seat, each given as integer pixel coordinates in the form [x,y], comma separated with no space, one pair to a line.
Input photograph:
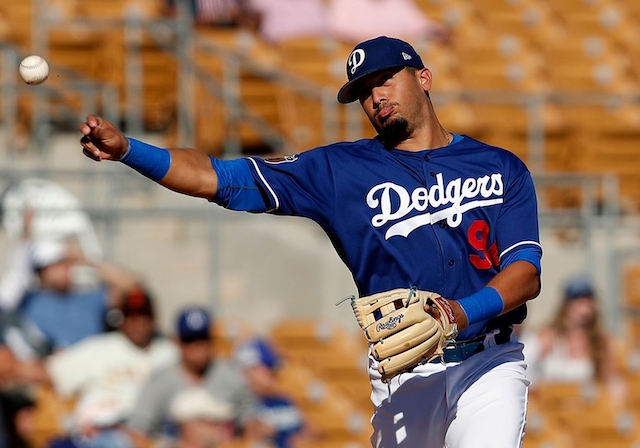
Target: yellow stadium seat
[328,411]
[543,431]
[461,117]
[631,281]
[462,18]
[51,416]
[319,59]
[304,335]
[602,429]
[18,16]
[499,63]
[228,333]
[147,9]
[584,75]
[78,48]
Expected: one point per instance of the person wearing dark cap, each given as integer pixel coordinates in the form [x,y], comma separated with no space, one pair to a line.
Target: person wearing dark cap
[418,207]
[574,347]
[105,373]
[197,368]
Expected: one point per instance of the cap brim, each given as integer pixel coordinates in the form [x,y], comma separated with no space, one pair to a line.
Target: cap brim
[348,93]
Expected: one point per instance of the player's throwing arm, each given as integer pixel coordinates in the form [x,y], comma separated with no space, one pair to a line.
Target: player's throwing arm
[186,171]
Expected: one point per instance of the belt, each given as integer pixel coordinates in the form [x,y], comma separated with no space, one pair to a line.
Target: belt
[458,351]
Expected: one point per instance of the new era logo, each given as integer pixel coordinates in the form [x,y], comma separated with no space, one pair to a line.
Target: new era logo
[406,56]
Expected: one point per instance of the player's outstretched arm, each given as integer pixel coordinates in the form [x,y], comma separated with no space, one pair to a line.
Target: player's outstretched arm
[184,170]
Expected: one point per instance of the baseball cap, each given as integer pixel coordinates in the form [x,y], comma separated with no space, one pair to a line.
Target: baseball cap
[373,56]
[577,287]
[137,302]
[46,252]
[257,352]
[196,403]
[193,324]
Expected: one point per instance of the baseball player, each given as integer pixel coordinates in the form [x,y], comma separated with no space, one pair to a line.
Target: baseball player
[418,207]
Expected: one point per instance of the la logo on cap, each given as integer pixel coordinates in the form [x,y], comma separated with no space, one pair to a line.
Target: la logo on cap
[356,59]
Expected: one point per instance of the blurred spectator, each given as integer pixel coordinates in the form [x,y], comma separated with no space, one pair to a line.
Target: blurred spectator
[7,366]
[279,420]
[574,347]
[197,368]
[18,418]
[282,20]
[220,13]
[203,421]
[63,311]
[22,337]
[17,276]
[106,372]
[357,20]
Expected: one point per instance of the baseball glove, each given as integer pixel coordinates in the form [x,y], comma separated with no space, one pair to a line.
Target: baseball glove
[403,334]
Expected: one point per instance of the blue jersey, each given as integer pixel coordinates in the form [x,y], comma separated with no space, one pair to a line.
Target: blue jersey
[442,220]
[283,417]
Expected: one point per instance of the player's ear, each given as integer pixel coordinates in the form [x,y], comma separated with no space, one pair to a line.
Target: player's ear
[425,77]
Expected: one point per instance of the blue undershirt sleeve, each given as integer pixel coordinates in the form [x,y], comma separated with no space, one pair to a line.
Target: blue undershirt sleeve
[237,190]
[531,254]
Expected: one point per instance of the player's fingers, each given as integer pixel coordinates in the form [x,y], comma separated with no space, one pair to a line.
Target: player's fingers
[91,155]
[85,141]
[93,121]
[89,149]
[432,310]
[96,127]
[90,125]
[84,128]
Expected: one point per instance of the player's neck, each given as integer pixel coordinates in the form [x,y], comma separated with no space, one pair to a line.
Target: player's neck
[428,133]
[428,137]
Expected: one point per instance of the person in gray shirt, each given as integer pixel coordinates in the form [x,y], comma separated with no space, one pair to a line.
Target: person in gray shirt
[197,368]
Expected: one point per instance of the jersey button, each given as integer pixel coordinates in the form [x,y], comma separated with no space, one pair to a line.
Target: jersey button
[442,224]
[426,158]
[451,262]
[432,174]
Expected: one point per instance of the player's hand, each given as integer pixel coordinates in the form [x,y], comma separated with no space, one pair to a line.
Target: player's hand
[458,312]
[102,140]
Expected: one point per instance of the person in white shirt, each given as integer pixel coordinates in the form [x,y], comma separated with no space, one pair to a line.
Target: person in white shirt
[114,366]
[574,347]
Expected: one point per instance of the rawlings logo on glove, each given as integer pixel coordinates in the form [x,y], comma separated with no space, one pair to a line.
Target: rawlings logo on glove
[403,334]
[391,324]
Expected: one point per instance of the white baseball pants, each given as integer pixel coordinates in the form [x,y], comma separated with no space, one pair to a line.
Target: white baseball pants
[477,403]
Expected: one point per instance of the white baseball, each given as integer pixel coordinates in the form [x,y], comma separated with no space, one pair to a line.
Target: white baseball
[34,69]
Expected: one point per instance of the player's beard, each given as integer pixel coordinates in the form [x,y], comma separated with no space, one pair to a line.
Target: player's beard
[394,131]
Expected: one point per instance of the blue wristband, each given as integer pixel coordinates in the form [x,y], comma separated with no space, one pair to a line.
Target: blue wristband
[482,306]
[147,159]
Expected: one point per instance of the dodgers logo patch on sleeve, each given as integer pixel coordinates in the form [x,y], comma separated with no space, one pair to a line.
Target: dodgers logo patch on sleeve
[285,159]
